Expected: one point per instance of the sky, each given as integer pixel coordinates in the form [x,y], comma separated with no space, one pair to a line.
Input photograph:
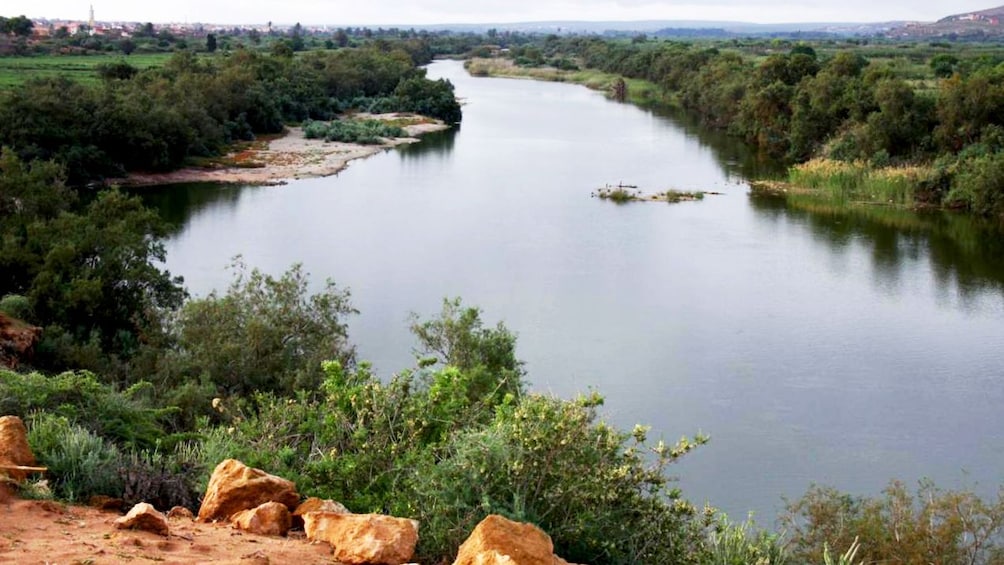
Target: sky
[419,12]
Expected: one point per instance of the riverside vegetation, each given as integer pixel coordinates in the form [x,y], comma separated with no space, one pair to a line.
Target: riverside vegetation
[907,124]
[136,389]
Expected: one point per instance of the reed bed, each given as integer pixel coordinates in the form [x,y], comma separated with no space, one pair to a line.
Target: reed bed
[859,181]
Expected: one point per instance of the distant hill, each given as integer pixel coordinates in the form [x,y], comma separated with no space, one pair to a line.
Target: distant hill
[993,16]
[677,27]
[980,25]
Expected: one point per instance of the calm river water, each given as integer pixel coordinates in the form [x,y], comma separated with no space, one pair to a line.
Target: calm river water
[811,346]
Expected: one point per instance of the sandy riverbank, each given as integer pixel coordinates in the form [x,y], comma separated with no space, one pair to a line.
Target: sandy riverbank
[291,156]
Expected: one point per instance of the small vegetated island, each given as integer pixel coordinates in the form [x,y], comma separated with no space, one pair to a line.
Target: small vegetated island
[622,193]
[130,388]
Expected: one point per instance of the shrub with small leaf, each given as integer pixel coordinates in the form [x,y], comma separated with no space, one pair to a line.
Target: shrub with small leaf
[367,132]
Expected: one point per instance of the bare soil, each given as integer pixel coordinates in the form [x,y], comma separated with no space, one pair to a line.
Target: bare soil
[46,532]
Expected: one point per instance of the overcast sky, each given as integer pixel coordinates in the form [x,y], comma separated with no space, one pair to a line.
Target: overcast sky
[417,12]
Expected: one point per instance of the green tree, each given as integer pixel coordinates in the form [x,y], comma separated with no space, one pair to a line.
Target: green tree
[211,43]
[296,38]
[29,193]
[266,333]
[457,338]
[430,98]
[341,38]
[127,46]
[96,279]
[20,26]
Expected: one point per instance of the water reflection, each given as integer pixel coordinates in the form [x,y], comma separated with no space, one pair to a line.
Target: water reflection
[438,144]
[179,203]
[966,254]
[737,159]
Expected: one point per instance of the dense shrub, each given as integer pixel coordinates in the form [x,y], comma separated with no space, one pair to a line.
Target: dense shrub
[935,526]
[125,418]
[601,494]
[367,132]
[80,464]
[265,334]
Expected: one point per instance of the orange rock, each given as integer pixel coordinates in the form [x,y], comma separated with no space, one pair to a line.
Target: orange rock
[180,513]
[235,487]
[144,517]
[269,519]
[498,541]
[14,449]
[359,539]
[314,504]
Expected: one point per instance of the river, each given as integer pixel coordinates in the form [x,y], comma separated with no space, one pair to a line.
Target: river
[811,345]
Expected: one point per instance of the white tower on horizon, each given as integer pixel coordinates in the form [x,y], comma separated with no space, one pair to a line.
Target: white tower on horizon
[90,21]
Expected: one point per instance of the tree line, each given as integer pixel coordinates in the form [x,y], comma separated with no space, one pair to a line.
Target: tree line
[796,105]
[156,119]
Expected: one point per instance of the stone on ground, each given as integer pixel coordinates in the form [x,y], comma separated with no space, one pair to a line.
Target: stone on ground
[144,517]
[314,504]
[14,449]
[269,519]
[359,539]
[235,487]
[499,541]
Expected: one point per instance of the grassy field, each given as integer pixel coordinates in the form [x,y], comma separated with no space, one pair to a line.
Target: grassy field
[16,70]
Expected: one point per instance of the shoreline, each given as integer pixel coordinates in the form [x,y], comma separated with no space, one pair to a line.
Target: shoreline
[282,159]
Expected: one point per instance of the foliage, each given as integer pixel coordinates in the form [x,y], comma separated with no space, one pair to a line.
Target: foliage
[126,418]
[601,494]
[367,132]
[16,306]
[447,445]
[429,98]
[825,101]
[935,526]
[95,278]
[458,338]
[742,543]
[979,184]
[265,334]
[191,106]
[80,464]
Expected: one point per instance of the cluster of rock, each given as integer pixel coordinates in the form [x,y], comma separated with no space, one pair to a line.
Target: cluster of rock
[256,502]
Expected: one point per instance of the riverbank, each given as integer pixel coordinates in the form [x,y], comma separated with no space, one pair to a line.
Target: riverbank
[637,91]
[291,156]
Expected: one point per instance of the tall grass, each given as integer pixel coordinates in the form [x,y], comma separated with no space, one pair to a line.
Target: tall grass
[858,181]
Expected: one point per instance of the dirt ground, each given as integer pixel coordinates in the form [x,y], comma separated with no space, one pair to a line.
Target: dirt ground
[45,532]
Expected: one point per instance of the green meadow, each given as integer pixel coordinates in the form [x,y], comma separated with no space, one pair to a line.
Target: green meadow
[83,68]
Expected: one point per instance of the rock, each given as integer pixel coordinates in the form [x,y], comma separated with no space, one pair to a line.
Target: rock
[359,539]
[144,517]
[498,541]
[14,449]
[17,341]
[180,513]
[314,504]
[269,519]
[235,487]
